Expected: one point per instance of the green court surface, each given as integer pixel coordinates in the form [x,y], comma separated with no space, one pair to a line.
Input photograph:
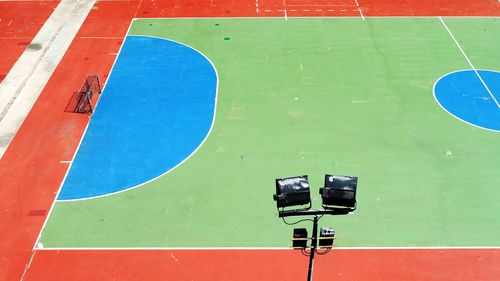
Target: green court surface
[315,96]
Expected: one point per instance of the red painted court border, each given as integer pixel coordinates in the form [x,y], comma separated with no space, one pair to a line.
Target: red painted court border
[230,265]
[247,8]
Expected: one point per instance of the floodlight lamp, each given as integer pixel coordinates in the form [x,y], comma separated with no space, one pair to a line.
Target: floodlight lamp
[326,237]
[339,192]
[299,240]
[292,191]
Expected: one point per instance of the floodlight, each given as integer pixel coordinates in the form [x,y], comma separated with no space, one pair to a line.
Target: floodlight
[339,191]
[339,198]
[326,237]
[292,191]
[299,240]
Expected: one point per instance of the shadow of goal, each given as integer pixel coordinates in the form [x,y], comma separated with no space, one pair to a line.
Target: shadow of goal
[83,101]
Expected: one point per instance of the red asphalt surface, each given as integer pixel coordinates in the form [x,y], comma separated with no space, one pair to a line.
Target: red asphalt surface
[31,171]
[232,265]
[20,21]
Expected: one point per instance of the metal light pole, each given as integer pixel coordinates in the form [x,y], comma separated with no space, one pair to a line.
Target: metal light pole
[313,249]
[314,239]
[339,198]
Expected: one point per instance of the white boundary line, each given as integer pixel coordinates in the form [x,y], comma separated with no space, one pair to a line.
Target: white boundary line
[266,248]
[310,10]
[359,9]
[162,248]
[284,7]
[470,63]
[76,151]
[28,265]
[192,153]
[437,101]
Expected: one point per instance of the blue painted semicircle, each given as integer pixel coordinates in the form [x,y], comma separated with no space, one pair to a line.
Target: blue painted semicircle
[157,108]
[463,95]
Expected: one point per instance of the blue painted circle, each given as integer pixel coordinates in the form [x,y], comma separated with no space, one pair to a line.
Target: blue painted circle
[463,95]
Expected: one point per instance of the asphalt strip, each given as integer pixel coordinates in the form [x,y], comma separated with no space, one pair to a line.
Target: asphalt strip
[23,84]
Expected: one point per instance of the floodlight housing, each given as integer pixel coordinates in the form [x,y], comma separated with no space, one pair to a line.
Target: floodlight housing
[339,192]
[292,191]
[326,237]
[299,240]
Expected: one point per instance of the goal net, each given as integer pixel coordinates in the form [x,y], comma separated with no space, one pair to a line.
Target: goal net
[82,101]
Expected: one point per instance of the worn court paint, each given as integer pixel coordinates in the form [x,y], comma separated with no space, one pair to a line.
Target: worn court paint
[463,95]
[156,110]
[25,81]
[316,96]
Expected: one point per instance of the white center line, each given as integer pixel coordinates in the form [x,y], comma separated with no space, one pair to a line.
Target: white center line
[470,63]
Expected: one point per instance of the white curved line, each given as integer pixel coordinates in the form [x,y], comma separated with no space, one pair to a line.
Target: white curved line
[453,115]
[190,155]
[49,214]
